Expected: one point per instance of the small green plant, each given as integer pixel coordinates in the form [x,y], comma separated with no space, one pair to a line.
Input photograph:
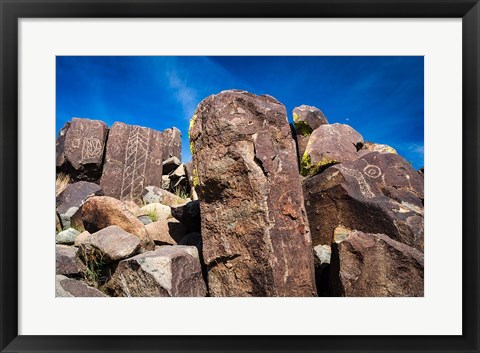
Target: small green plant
[152,214]
[93,265]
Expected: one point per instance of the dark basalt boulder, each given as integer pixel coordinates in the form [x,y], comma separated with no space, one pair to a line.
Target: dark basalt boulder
[328,145]
[83,149]
[133,160]
[378,193]
[374,265]
[255,234]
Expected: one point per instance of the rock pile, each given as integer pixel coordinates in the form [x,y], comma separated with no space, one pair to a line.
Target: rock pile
[264,209]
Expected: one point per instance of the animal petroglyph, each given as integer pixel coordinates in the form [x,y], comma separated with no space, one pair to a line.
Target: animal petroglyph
[136,155]
[362,183]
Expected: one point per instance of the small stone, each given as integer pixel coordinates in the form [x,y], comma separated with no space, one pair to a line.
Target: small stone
[170,164]
[166,231]
[67,287]
[67,237]
[114,244]
[157,211]
[67,262]
[154,194]
[83,238]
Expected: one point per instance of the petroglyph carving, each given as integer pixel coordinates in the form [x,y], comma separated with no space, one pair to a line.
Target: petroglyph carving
[362,183]
[136,155]
[372,171]
[91,148]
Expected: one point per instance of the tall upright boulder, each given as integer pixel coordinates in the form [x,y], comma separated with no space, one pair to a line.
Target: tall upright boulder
[172,143]
[306,119]
[378,193]
[133,160]
[83,149]
[256,239]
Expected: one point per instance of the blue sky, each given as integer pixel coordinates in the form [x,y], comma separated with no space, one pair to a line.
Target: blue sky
[380,97]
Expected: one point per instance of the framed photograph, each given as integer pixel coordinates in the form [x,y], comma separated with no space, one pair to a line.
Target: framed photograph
[239,176]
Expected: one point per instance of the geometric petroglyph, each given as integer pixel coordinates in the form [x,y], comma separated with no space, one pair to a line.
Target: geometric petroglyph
[135,163]
[92,148]
[372,171]
[362,183]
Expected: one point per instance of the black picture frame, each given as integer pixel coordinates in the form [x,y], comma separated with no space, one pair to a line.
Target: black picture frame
[11,11]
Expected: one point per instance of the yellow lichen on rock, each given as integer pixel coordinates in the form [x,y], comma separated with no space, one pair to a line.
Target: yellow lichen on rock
[308,169]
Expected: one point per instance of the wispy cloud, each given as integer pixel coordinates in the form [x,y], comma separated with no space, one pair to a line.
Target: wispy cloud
[186,96]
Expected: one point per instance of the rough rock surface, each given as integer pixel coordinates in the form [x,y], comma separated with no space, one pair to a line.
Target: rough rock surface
[170,164]
[189,215]
[84,148]
[328,145]
[256,240]
[172,143]
[378,193]
[166,231]
[154,194]
[306,119]
[133,160]
[113,244]
[60,146]
[83,238]
[74,195]
[66,237]
[67,287]
[374,265]
[156,211]
[67,262]
[99,212]
[169,271]
[375,147]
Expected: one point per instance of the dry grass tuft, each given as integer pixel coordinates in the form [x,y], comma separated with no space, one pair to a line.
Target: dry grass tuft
[61,183]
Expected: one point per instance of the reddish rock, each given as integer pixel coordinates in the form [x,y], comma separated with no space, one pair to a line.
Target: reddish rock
[69,203]
[172,143]
[133,160]
[255,234]
[84,148]
[378,193]
[328,145]
[99,212]
[67,287]
[169,271]
[67,262]
[166,231]
[374,265]
[114,244]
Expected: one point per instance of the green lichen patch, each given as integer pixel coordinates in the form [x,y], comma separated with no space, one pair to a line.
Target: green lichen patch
[302,128]
[192,122]
[309,169]
[195,181]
